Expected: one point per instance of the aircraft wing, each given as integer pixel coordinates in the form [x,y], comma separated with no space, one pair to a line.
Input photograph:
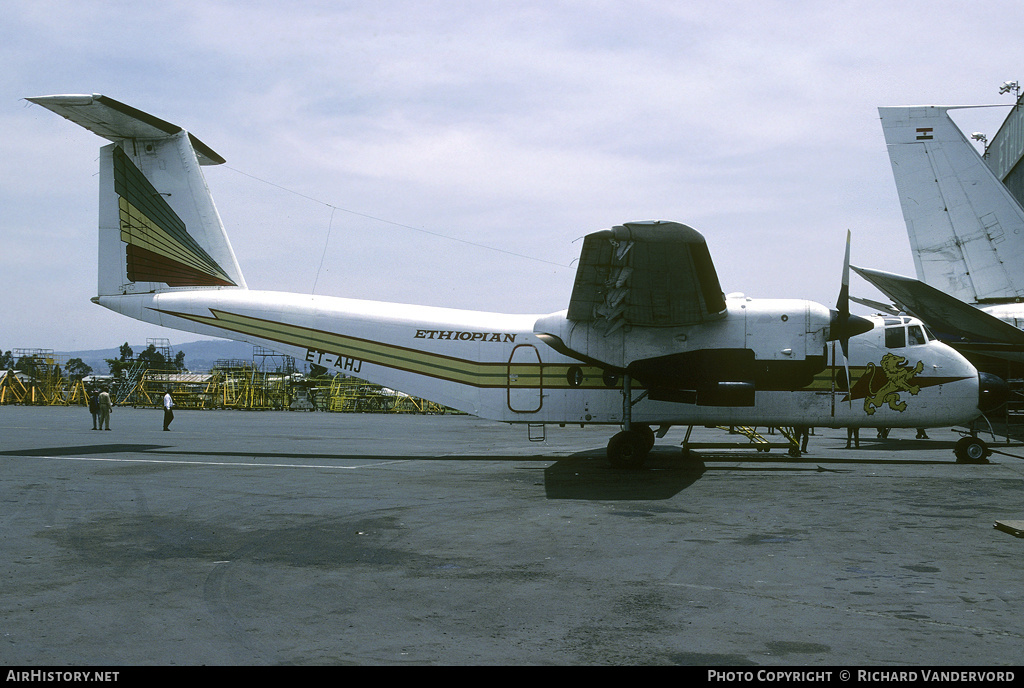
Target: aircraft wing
[940,311]
[647,274]
[887,308]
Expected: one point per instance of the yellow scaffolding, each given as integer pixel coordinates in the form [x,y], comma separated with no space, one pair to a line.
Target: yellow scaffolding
[13,389]
[43,386]
[233,384]
[190,390]
[77,394]
[352,395]
[242,385]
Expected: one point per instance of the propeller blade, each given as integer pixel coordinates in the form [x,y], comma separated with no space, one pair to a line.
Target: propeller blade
[843,325]
[843,304]
[844,292]
[843,320]
[849,382]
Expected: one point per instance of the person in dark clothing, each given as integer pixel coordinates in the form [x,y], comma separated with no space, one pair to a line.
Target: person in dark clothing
[94,409]
[803,433]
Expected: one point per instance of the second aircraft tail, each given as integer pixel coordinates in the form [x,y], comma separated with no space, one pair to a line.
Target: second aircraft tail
[966,229]
[159,228]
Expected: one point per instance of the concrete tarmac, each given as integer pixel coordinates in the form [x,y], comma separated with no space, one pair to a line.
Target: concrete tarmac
[248,538]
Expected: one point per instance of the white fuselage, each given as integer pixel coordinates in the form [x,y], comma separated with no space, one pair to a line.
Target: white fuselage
[494,365]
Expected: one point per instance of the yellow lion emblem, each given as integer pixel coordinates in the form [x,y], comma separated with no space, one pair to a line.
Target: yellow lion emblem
[894,377]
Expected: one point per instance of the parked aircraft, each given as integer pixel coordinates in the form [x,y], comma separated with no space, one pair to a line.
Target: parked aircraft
[967,237]
[649,340]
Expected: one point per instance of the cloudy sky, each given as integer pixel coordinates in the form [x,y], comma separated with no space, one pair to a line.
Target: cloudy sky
[453,153]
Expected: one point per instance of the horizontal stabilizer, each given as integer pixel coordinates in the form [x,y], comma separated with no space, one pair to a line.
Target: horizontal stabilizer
[116,121]
[940,311]
[159,228]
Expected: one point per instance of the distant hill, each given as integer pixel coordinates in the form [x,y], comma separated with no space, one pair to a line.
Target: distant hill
[200,356]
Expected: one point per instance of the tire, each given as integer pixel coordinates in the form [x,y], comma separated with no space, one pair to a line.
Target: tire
[647,433]
[971,450]
[627,450]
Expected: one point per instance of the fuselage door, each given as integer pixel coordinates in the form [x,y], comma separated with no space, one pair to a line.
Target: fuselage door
[525,380]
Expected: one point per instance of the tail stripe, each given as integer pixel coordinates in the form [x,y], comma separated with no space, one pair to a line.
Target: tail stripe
[159,247]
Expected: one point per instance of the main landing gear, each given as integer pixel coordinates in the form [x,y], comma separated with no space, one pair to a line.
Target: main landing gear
[629,448]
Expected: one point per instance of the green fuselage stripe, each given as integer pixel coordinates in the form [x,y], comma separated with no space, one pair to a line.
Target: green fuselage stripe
[474,373]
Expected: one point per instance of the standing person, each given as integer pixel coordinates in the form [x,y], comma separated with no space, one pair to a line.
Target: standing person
[854,435]
[106,406]
[94,408]
[168,413]
[803,433]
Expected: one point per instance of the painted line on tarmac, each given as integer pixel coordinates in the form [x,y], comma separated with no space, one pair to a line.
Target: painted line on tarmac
[251,464]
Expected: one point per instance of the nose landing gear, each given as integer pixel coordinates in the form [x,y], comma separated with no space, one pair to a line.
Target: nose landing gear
[971,449]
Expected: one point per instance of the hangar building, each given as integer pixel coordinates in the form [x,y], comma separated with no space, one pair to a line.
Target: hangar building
[1006,149]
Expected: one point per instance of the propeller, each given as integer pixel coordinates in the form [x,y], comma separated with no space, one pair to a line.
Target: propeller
[843,325]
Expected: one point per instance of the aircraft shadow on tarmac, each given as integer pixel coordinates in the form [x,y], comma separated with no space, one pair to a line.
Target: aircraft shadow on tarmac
[84,450]
[667,472]
[587,474]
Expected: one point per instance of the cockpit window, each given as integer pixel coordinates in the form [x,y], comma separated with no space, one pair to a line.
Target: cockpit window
[895,337]
[915,335]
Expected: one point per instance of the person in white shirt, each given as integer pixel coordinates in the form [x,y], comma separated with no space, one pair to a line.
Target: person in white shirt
[106,406]
[168,413]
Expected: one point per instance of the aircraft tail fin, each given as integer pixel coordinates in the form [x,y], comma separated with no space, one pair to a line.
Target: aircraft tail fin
[159,228]
[966,229]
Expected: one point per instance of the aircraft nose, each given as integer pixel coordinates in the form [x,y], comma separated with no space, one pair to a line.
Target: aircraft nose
[992,392]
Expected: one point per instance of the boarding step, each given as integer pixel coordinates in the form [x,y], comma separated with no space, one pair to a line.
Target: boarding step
[536,432]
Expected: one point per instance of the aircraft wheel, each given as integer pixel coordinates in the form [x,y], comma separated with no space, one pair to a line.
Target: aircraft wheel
[627,450]
[971,450]
[647,433]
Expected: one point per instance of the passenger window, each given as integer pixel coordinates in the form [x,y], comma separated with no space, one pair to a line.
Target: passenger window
[895,337]
[915,336]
